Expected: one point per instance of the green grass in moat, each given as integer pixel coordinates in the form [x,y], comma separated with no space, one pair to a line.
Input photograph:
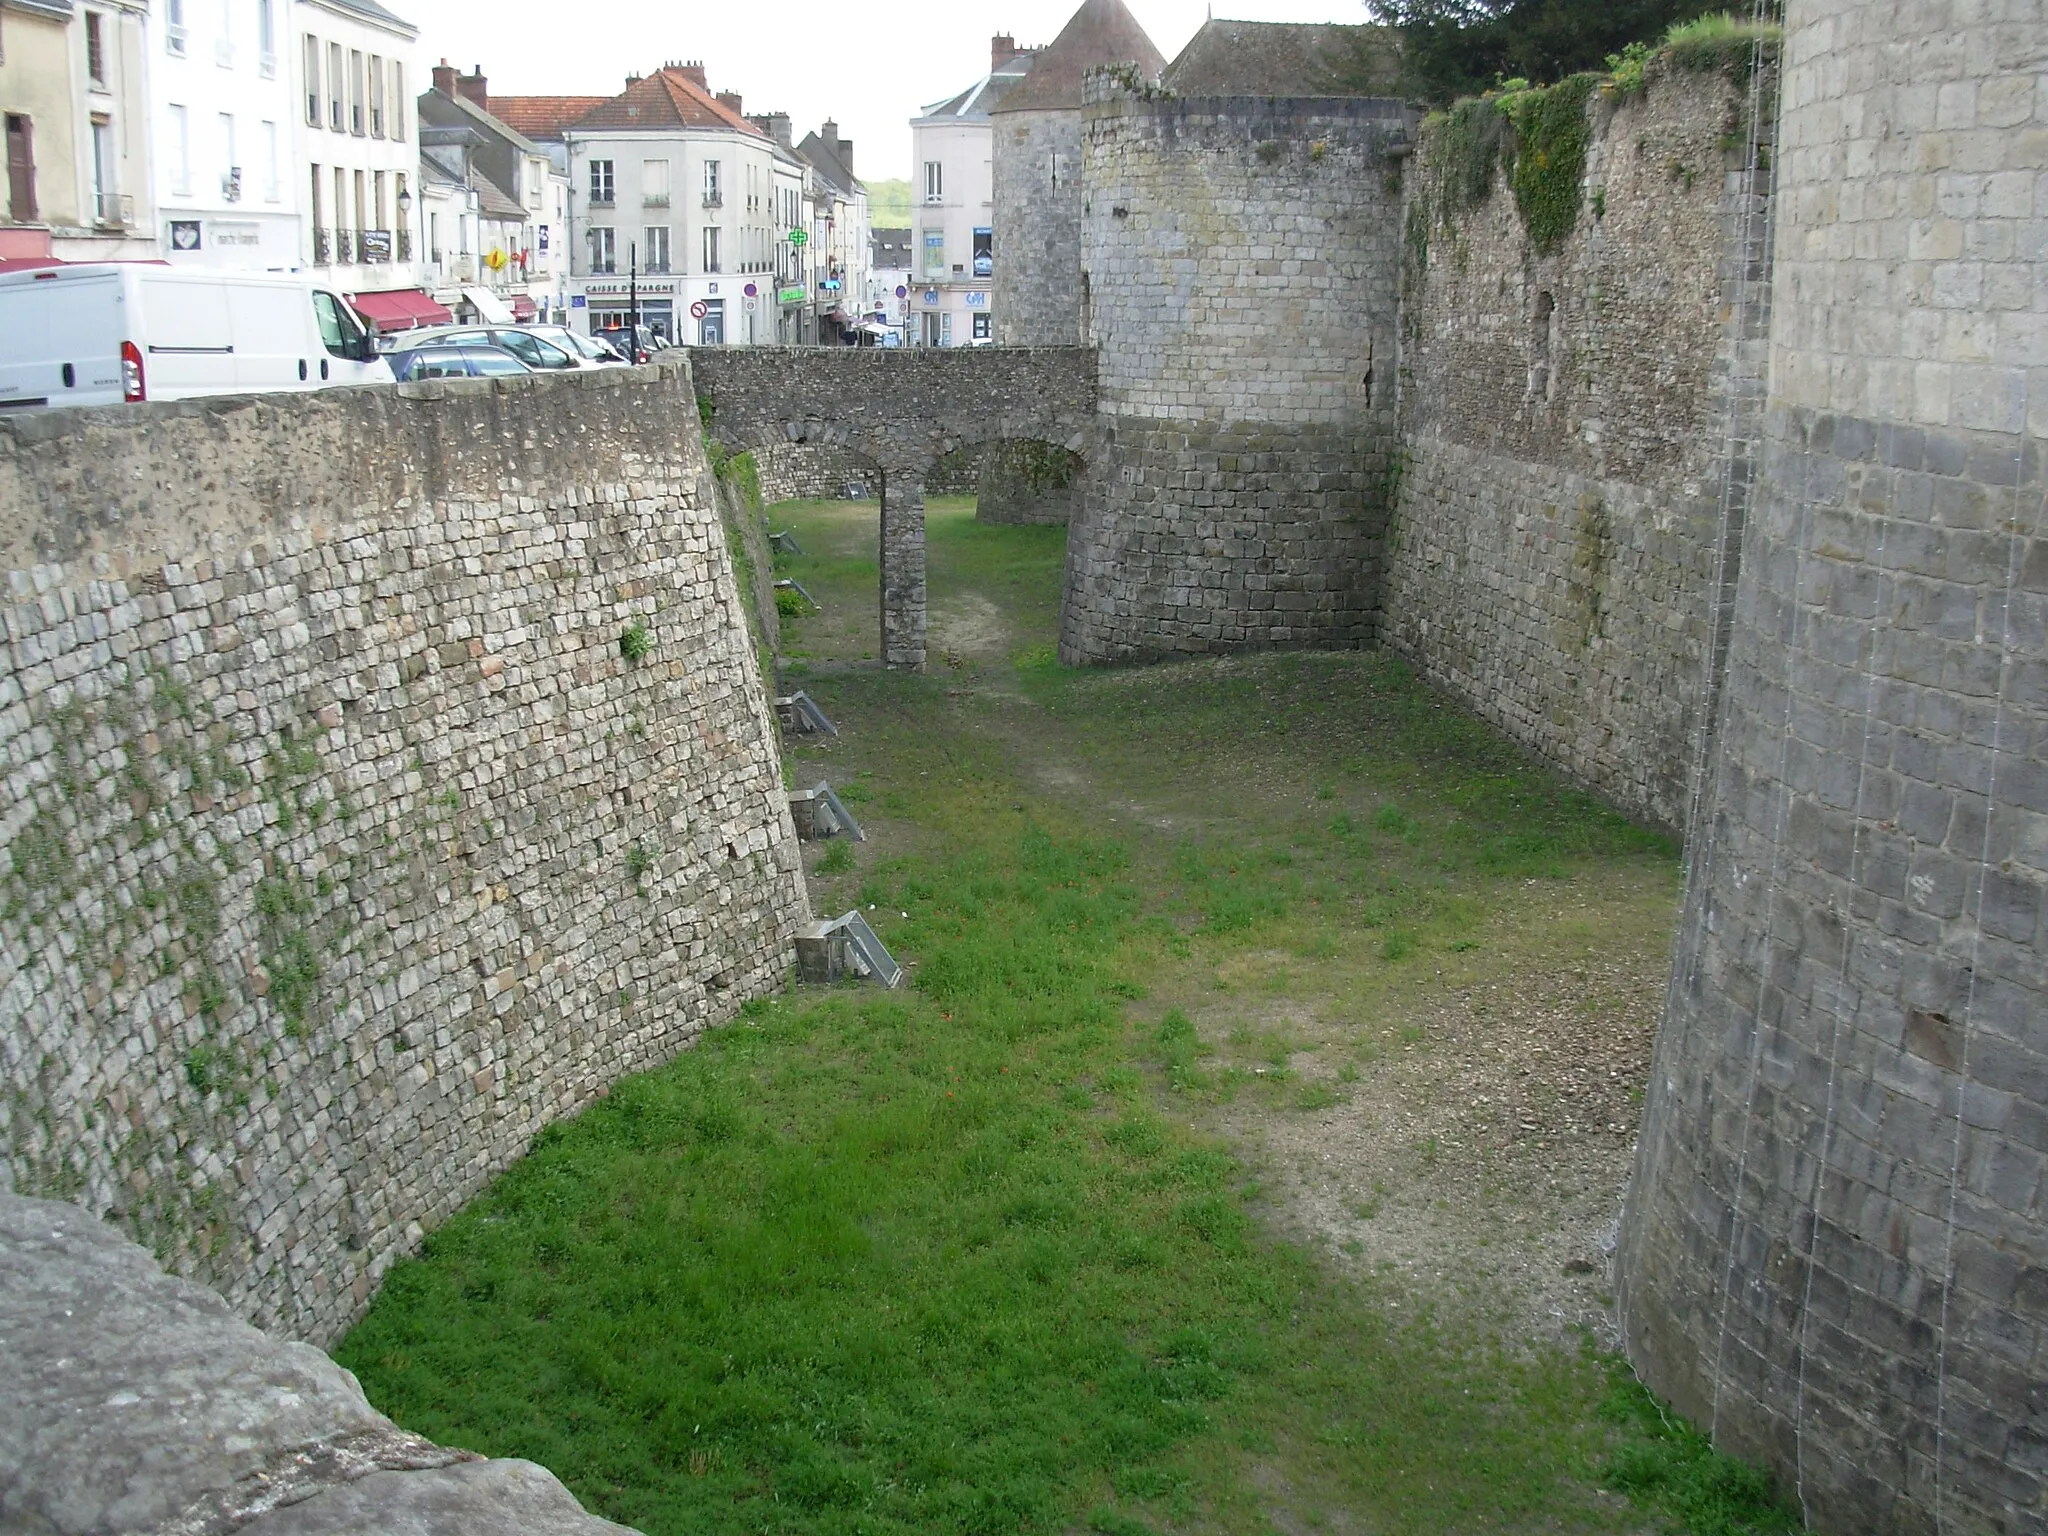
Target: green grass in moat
[954,1259]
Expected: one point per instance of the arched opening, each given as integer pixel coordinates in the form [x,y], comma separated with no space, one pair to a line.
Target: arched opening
[822,508]
[1024,480]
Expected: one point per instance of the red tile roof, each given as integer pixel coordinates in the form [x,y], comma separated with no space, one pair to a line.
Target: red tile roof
[668,98]
[542,117]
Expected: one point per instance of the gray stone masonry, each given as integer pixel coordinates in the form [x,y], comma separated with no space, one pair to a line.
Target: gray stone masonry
[1834,1252]
[903,412]
[1240,261]
[133,1401]
[1577,423]
[1026,482]
[1036,171]
[387,773]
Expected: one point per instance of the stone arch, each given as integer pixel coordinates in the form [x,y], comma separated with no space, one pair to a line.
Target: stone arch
[905,411]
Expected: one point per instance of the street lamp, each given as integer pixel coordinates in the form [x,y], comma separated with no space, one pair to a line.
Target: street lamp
[405,200]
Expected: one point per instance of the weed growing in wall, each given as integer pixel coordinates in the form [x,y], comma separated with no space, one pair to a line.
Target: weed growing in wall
[636,640]
[1549,161]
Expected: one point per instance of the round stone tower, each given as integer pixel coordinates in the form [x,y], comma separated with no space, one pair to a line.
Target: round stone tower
[1834,1252]
[1036,169]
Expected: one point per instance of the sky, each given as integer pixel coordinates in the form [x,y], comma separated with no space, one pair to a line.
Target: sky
[867,67]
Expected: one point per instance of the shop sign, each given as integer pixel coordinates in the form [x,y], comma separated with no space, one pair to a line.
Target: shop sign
[184,234]
[977,300]
[789,295]
[611,289]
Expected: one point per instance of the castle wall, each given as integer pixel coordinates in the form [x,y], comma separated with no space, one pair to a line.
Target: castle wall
[1240,264]
[347,846]
[1036,165]
[1572,478]
[1833,1252]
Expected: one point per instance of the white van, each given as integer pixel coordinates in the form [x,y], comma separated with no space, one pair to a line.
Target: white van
[98,333]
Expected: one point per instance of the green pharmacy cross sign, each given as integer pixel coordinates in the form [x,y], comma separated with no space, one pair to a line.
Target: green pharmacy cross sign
[798,237]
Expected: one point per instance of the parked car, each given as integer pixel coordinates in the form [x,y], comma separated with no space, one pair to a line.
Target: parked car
[541,354]
[640,349]
[442,360]
[591,348]
[98,333]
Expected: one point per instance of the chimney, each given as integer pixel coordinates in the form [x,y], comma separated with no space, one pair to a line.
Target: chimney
[445,76]
[633,80]
[1001,49]
[693,72]
[841,148]
[730,100]
[475,89]
[776,125]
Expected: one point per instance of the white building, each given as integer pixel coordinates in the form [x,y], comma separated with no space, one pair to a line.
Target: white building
[889,274]
[672,205]
[221,100]
[793,318]
[356,153]
[952,193]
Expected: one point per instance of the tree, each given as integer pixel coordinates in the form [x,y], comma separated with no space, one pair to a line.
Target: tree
[1453,48]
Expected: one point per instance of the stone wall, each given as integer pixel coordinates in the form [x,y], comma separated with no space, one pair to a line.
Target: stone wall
[348,844]
[1026,482]
[1240,260]
[805,472]
[1834,1251]
[1036,170]
[1577,427]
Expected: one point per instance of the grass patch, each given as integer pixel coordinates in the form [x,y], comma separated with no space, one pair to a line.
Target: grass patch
[1667,1465]
[953,1259]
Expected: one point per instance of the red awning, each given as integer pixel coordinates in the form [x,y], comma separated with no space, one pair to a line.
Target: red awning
[523,308]
[400,309]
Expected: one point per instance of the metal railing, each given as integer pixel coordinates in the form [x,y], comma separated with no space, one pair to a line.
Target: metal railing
[405,246]
[344,247]
[113,210]
[322,248]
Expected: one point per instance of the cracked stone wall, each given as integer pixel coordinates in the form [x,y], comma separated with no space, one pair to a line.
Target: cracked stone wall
[387,772]
[1578,431]
[1240,263]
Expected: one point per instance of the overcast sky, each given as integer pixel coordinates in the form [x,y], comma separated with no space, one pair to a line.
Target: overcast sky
[869,67]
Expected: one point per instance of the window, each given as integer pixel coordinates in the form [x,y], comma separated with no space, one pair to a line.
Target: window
[656,247]
[601,183]
[935,253]
[21,168]
[396,127]
[946,329]
[271,190]
[312,81]
[95,49]
[174,28]
[224,45]
[181,151]
[434,236]
[355,92]
[984,252]
[376,97]
[934,182]
[981,327]
[711,197]
[266,38]
[340,332]
[231,165]
[318,209]
[360,205]
[337,82]
[654,183]
[103,163]
[711,249]
[604,249]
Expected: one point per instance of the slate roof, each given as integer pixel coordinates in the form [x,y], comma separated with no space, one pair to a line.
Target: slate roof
[1101,32]
[1284,58]
[827,164]
[889,247]
[451,108]
[986,94]
[493,200]
[668,98]
[542,117]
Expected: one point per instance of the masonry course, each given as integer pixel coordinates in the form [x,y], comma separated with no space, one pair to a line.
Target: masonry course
[349,847]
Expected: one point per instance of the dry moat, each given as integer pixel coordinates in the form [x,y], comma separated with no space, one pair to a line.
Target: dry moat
[1243,1155]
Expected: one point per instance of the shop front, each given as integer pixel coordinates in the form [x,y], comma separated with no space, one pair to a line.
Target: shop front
[610,303]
